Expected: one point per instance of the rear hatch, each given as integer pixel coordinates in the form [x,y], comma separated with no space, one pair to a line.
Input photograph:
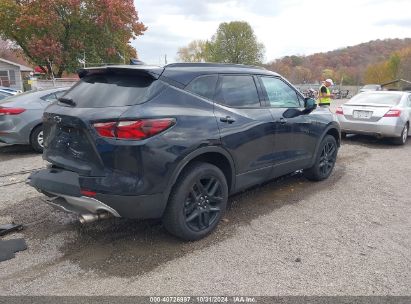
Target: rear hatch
[370,107]
[102,95]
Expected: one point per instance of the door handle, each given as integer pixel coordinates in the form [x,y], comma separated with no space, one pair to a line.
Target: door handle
[227,119]
[283,120]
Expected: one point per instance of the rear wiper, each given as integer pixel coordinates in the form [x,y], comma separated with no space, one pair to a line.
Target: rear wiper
[68,101]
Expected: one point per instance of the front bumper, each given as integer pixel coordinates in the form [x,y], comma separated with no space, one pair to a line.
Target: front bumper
[63,190]
[386,126]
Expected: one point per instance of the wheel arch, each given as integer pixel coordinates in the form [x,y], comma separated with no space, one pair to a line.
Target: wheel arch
[214,155]
[332,129]
[35,126]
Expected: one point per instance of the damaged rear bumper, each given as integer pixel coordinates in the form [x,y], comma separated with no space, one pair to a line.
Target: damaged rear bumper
[63,191]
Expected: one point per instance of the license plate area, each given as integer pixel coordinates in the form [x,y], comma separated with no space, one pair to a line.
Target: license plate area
[362,114]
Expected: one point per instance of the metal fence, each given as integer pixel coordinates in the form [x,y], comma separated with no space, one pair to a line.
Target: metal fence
[56,83]
[339,91]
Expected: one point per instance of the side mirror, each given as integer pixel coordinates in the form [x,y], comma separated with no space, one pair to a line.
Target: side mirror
[292,112]
[309,104]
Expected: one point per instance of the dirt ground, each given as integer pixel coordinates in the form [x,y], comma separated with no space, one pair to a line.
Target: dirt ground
[348,235]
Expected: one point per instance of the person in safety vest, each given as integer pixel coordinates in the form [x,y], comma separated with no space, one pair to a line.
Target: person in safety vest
[324,94]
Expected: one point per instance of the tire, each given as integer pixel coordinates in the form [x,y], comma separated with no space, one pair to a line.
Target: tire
[404,136]
[325,160]
[36,139]
[197,202]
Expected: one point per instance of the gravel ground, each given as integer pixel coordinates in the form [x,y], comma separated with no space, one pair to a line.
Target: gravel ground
[348,235]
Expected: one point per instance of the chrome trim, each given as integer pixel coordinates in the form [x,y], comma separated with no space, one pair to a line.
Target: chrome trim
[79,204]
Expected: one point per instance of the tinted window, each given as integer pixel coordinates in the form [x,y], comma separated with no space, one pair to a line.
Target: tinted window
[238,91]
[112,90]
[280,94]
[203,86]
[376,98]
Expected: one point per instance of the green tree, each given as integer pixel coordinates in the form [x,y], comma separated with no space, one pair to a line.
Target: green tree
[194,52]
[235,42]
[56,34]
[377,73]
[393,66]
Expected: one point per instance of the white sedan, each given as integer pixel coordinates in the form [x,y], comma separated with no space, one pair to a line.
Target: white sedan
[378,113]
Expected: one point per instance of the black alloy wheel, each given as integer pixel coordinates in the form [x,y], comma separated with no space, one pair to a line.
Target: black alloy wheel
[325,160]
[203,203]
[328,158]
[197,202]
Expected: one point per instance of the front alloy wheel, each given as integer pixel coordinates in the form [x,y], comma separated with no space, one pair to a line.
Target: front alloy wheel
[325,160]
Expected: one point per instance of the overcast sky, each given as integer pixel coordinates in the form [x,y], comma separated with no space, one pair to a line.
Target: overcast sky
[285,27]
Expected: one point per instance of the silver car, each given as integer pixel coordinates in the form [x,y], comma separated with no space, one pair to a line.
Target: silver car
[4,94]
[383,114]
[371,87]
[21,117]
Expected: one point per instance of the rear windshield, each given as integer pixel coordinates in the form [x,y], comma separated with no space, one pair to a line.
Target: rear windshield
[113,90]
[376,98]
[371,86]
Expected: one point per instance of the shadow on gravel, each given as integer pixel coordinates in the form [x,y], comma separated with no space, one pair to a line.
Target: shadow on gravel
[13,151]
[372,142]
[126,248]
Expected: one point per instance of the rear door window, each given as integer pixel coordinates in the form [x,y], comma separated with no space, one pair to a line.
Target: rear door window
[203,86]
[237,91]
[113,90]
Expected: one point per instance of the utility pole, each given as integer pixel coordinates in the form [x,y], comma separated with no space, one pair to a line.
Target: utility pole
[165,59]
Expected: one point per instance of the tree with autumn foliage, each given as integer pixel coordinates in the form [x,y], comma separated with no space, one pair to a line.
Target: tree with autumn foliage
[58,34]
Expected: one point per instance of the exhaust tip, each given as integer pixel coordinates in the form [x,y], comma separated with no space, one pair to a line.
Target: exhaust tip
[86,218]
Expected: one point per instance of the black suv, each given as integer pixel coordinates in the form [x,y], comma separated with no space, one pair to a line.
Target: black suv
[175,142]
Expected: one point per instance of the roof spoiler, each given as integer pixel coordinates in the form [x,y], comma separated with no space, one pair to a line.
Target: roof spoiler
[143,70]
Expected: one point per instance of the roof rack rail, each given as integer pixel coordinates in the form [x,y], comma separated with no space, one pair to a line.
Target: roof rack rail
[211,64]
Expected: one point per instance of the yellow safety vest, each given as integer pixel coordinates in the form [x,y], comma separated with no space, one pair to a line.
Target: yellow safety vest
[324,100]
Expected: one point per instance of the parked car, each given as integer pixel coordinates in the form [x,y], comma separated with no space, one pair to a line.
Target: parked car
[10,90]
[21,117]
[383,114]
[370,87]
[173,143]
[4,95]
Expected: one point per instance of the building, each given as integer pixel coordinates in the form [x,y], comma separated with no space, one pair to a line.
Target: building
[11,74]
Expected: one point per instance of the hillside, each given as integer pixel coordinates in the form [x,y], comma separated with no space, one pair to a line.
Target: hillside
[347,63]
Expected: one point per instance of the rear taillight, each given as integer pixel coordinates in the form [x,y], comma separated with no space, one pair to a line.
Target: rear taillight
[86,192]
[135,129]
[393,113]
[339,111]
[11,111]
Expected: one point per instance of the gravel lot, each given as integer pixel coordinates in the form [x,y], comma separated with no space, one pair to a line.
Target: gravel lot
[348,235]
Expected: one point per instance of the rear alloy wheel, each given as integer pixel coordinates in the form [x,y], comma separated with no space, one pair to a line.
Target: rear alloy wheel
[37,139]
[197,203]
[325,160]
[403,138]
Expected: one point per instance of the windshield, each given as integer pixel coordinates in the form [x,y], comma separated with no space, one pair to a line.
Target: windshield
[391,99]
[112,90]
